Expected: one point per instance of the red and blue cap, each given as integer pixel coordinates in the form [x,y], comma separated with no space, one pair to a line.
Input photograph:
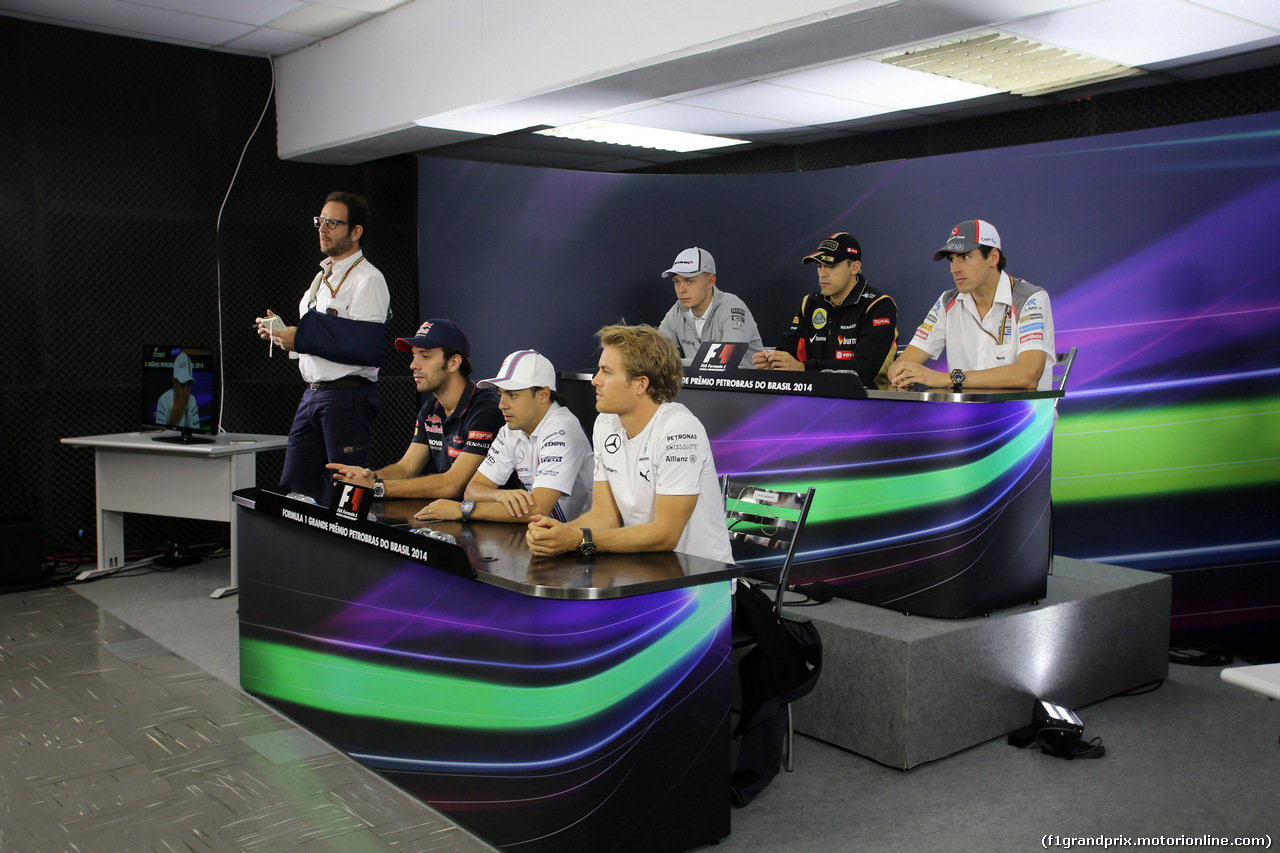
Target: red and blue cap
[436,334]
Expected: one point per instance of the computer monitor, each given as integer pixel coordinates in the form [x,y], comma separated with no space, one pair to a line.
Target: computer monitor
[180,392]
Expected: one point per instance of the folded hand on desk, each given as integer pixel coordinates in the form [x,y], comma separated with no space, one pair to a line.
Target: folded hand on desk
[547,537]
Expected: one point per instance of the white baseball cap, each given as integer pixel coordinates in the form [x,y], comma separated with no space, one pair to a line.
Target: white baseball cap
[692,262]
[182,368]
[523,369]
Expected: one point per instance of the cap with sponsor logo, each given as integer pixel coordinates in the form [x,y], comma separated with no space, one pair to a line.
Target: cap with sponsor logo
[524,369]
[182,368]
[967,236]
[838,247]
[692,262]
[436,334]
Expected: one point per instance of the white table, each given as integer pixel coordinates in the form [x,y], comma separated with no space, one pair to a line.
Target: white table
[133,473]
[1263,679]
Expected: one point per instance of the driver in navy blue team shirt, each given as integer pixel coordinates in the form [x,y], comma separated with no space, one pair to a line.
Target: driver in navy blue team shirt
[454,428]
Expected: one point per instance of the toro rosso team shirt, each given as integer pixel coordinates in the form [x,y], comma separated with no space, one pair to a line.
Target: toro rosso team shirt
[470,429]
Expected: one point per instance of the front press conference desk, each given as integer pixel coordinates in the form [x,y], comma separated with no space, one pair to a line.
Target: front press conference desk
[928,502]
[543,704]
[133,473]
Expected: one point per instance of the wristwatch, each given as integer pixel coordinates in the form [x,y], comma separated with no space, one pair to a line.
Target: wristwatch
[379,489]
[586,548]
[467,508]
[957,378]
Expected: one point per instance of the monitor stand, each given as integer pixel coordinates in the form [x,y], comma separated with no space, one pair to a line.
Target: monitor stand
[184,437]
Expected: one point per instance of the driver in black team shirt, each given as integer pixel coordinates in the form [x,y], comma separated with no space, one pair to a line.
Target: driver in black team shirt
[846,325]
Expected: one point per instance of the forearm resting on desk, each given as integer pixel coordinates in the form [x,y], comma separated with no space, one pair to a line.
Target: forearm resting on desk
[671,513]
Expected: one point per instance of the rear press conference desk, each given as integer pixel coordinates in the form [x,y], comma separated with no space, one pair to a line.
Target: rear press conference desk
[133,473]
[929,502]
[544,704]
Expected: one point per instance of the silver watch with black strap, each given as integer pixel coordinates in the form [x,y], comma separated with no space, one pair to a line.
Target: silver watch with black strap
[467,507]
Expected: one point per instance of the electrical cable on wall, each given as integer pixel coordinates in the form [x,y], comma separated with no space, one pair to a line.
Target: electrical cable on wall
[222,398]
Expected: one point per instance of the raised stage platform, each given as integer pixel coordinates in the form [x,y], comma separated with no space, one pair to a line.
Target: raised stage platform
[903,690]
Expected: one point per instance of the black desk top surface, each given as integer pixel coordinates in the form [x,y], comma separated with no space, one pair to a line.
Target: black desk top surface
[498,554]
[495,553]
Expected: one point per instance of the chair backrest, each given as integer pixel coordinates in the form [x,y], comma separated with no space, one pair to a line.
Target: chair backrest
[764,515]
[1062,369]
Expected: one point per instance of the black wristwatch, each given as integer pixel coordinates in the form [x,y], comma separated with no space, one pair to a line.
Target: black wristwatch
[467,507]
[379,489]
[586,548]
[957,378]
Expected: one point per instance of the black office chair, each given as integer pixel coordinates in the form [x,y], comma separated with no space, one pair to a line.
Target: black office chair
[770,517]
[1062,370]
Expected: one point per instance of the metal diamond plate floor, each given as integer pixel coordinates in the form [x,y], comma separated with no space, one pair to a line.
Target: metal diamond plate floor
[110,742]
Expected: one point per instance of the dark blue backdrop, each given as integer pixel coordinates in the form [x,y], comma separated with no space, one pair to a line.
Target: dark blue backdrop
[1156,247]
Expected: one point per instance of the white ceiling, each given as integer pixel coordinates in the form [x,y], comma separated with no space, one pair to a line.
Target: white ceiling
[250,27]
[801,82]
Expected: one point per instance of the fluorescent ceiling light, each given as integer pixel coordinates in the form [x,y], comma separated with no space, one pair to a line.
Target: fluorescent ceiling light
[636,136]
[1008,63]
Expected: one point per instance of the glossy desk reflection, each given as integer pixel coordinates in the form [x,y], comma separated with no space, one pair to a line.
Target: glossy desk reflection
[543,704]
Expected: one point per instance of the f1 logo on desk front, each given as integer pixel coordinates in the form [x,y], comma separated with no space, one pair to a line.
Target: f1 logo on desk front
[717,356]
[352,501]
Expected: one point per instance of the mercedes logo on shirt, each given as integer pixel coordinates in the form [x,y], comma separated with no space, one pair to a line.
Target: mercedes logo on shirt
[612,443]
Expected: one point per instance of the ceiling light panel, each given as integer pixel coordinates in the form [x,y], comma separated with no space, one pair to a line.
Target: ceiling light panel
[887,86]
[1140,32]
[635,136]
[1008,63]
[691,119]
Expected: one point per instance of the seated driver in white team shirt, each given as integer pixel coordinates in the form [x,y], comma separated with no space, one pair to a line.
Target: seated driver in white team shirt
[542,443]
[655,481]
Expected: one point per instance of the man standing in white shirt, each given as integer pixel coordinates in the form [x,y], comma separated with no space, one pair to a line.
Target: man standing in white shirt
[997,330]
[656,487]
[542,443]
[702,311]
[339,343]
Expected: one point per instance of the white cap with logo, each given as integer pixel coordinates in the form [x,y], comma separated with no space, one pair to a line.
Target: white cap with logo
[523,369]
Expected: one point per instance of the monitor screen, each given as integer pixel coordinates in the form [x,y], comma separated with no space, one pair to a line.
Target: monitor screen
[180,392]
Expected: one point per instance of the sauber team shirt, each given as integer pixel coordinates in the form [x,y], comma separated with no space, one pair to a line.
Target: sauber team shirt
[470,429]
[670,456]
[557,456]
[1020,319]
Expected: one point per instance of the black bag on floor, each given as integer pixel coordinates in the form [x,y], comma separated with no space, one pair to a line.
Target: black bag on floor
[782,666]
